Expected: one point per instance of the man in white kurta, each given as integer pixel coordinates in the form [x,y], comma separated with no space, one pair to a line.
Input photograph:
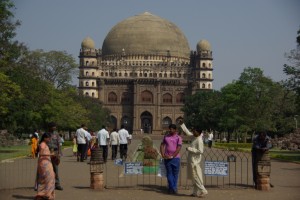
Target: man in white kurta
[194,171]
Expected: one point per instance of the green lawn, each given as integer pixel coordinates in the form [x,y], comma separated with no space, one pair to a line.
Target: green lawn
[14,151]
[19,151]
[293,156]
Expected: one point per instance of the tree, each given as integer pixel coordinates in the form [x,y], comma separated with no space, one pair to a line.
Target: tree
[9,50]
[9,92]
[56,67]
[293,71]
[202,109]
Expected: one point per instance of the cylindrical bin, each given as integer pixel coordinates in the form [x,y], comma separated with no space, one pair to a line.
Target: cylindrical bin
[263,171]
[97,181]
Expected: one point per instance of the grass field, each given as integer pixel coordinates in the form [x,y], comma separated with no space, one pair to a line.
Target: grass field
[19,151]
[14,152]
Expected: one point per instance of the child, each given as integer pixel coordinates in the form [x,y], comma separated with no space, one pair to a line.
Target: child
[74,147]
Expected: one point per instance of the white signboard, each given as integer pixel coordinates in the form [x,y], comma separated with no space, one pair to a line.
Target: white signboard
[216,168]
[133,168]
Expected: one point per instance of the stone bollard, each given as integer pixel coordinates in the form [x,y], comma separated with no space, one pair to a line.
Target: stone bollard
[96,169]
[263,169]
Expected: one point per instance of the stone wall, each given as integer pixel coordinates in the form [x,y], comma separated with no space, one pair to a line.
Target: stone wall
[7,139]
[288,142]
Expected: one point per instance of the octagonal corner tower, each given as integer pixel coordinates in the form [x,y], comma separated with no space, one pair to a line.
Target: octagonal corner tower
[146,34]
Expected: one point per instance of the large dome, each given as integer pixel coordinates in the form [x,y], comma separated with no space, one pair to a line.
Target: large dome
[146,34]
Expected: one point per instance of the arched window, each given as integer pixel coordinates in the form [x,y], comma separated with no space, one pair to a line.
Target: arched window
[120,74]
[160,75]
[112,97]
[93,94]
[86,94]
[203,75]
[180,98]
[165,74]
[93,84]
[209,65]
[102,74]
[203,85]
[166,122]
[209,76]
[93,73]
[209,86]
[167,98]
[203,65]
[87,83]
[146,96]
[86,63]
[86,73]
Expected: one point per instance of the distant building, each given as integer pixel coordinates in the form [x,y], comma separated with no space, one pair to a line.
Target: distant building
[143,72]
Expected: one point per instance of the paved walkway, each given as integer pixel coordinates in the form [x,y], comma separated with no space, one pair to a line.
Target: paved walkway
[285,177]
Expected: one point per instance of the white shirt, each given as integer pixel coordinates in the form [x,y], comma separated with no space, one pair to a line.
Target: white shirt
[114,138]
[102,137]
[124,135]
[210,136]
[88,136]
[81,135]
[37,135]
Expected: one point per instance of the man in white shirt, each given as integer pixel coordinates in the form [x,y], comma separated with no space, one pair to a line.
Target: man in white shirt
[210,139]
[124,140]
[114,143]
[81,135]
[103,140]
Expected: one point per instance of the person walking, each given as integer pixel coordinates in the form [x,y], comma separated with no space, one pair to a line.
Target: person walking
[195,151]
[124,140]
[74,149]
[34,145]
[56,150]
[169,149]
[81,135]
[114,143]
[46,176]
[103,140]
[210,139]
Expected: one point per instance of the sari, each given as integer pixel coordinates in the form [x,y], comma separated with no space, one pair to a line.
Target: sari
[34,144]
[46,176]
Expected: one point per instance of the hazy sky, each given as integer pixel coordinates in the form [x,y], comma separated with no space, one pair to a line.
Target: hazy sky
[242,33]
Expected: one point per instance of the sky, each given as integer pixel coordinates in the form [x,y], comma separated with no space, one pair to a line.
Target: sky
[242,33]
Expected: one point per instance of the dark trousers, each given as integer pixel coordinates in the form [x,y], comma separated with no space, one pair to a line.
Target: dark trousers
[87,146]
[209,143]
[55,169]
[104,152]
[114,151]
[254,166]
[81,151]
[123,151]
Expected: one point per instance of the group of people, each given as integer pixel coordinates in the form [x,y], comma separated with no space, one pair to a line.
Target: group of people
[84,141]
[49,152]
[170,150]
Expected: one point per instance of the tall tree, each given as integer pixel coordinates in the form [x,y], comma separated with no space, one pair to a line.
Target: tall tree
[9,50]
[292,70]
[55,67]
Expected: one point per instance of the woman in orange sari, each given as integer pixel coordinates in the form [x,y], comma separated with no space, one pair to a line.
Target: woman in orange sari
[46,176]
[34,145]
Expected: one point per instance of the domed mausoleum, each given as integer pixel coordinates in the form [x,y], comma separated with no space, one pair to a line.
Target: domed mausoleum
[143,72]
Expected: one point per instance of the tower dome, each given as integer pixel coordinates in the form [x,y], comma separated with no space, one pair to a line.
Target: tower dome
[88,43]
[146,34]
[203,45]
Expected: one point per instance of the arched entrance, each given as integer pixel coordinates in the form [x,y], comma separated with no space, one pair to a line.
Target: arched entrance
[146,122]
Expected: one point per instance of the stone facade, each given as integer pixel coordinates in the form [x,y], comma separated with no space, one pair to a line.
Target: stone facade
[143,72]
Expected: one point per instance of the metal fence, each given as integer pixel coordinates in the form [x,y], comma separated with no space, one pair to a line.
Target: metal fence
[20,173]
[239,171]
